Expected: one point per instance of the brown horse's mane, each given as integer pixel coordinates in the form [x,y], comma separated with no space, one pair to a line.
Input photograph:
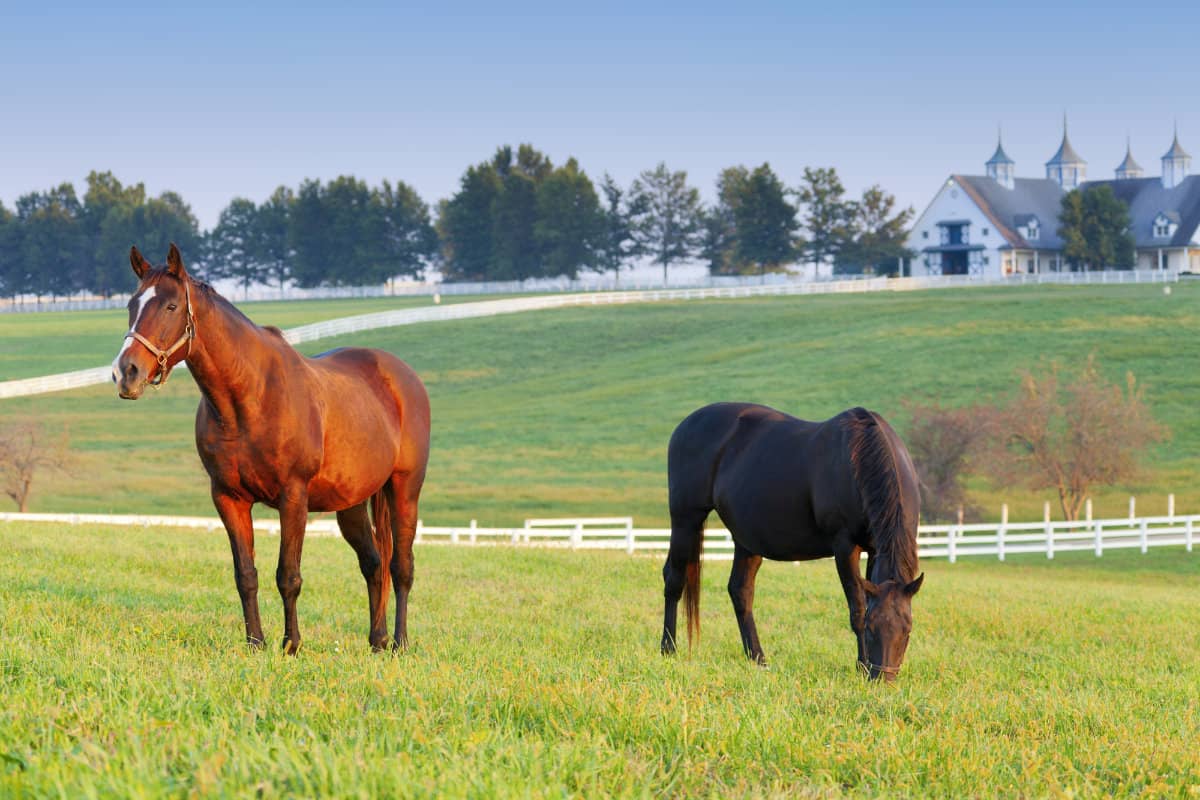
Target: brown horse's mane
[877,473]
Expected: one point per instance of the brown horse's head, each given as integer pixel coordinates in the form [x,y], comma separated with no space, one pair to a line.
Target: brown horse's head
[887,626]
[161,326]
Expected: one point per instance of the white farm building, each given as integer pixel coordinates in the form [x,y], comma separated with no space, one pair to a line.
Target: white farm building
[997,224]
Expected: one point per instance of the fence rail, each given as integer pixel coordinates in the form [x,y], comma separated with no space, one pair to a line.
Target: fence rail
[951,542]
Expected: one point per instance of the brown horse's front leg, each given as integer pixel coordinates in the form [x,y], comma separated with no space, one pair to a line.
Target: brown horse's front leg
[235,514]
[847,558]
[293,519]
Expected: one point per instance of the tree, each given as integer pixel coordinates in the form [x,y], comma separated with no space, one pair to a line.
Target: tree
[232,244]
[108,225]
[569,228]
[941,441]
[24,450]
[878,234]
[52,246]
[465,225]
[764,222]
[1094,225]
[271,247]
[617,245]
[1071,435]
[828,216]
[409,240]
[9,253]
[667,226]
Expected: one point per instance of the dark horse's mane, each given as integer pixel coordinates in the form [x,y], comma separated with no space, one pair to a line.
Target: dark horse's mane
[877,473]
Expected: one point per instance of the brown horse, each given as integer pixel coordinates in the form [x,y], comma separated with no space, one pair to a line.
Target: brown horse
[298,434]
[793,490]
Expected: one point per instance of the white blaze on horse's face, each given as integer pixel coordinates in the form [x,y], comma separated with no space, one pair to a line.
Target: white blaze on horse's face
[142,299]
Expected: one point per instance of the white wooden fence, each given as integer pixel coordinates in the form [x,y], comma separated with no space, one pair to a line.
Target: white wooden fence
[951,542]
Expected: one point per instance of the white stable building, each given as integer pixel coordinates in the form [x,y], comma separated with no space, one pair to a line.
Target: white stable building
[998,224]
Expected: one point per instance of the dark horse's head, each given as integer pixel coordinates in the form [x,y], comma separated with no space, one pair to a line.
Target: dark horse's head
[161,325]
[887,626]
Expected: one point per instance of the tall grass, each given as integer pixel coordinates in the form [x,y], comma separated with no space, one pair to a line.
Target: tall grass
[535,673]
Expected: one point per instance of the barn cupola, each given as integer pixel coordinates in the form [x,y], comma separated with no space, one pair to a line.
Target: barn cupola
[1066,168]
[1129,169]
[1175,164]
[1000,167]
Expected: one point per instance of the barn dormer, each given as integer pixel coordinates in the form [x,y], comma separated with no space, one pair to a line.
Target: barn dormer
[1165,224]
[1028,227]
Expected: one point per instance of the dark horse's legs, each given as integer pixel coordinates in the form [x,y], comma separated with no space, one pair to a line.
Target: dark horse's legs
[355,524]
[293,519]
[235,514]
[847,557]
[687,536]
[403,494]
[741,592]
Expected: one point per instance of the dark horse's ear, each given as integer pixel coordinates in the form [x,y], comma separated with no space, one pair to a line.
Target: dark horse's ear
[139,263]
[175,262]
[915,586]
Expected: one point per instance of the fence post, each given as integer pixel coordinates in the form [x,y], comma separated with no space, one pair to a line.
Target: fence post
[577,536]
[629,543]
[474,535]
[1049,530]
[1144,536]
[1001,531]
[1099,539]
[1187,534]
[1132,508]
[1171,507]
[417,535]
[950,537]
[1088,508]
[454,536]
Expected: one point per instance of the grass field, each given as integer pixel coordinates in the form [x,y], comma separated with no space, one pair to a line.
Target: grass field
[535,673]
[32,345]
[568,412]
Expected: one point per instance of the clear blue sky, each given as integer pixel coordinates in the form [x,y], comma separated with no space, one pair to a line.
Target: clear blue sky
[221,100]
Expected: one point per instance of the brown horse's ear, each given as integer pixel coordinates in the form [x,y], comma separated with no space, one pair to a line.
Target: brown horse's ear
[139,263]
[175,262]
[870,588]
[915,586]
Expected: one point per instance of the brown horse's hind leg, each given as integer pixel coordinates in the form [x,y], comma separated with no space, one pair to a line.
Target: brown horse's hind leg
[741,592]
[355,524]
[293,519]
[405,491]
[235,514]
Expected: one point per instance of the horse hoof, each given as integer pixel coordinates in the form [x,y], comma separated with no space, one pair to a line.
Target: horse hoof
[289,647]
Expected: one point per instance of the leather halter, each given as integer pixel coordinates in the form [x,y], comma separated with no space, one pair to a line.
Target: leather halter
[868,666]
[189,333]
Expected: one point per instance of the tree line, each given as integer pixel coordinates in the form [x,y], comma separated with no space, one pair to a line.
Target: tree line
[514,216]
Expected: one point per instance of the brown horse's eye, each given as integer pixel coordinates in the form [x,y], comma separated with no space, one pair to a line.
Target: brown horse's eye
[171,307]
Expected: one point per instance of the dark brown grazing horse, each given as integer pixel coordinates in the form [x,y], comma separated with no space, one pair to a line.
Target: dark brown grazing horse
[792,490]
[299,434]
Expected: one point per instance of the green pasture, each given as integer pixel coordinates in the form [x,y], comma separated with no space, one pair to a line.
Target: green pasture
[35,344]
[535,673]
[568,412]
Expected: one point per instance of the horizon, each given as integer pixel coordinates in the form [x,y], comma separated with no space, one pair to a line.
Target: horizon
[235,104]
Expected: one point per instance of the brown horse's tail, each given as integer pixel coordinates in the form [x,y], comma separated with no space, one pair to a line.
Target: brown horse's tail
[691,589]
[381,519]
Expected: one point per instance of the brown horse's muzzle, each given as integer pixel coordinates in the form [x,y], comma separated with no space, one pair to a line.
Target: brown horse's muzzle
[131,375]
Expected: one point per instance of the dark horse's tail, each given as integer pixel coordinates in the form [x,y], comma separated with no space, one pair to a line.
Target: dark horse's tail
[691,589]
[877,468]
